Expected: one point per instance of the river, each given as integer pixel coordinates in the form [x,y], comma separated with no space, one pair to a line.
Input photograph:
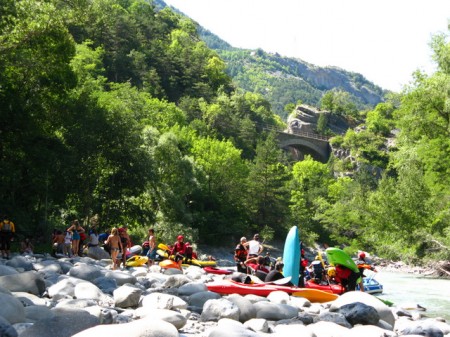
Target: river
[409,290]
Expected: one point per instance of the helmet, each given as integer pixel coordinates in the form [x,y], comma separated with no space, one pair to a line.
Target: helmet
[362,255]
[180,237]
[243,239]
[121,230]
[331,272]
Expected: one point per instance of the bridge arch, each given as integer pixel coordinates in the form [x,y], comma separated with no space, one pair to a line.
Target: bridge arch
[318,152]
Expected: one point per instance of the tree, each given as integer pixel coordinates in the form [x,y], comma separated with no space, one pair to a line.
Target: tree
[268,193]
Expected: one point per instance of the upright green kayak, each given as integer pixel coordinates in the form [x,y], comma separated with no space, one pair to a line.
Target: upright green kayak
[338,256]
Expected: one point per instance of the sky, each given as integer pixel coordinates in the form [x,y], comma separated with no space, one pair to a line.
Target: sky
[384,40]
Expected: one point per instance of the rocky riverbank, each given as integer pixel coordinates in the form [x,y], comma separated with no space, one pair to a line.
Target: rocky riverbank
[43,296]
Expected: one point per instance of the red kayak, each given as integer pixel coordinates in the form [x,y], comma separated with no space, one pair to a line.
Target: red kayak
[214,270]
[225,287]
[334,288]
[260,289]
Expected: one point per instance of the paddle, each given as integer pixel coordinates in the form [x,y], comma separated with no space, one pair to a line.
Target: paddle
[281,281]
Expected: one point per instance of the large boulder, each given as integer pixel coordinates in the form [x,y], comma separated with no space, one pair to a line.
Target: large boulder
[65,323]
[246,309]
[29,282]
[383,310]
[214,310]
[85,272]
[11,309]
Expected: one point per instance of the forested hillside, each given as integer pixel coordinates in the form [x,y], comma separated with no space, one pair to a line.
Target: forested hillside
[284,81]
[116,109]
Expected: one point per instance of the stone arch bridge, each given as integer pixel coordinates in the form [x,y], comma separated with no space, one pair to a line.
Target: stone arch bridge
[299,144]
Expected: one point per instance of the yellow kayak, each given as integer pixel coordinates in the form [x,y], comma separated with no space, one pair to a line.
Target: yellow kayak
[136,261]
[195,262]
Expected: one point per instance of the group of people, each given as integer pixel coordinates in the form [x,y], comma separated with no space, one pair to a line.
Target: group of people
[319,272]
[249,260]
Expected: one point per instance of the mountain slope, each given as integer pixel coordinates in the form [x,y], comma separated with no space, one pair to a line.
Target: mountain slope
[283,80]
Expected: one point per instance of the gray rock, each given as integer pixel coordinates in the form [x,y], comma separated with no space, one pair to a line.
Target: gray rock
[428,328]
[64,288]
[176,281]
[163,301]
[199,299]
[121,278]
[97,253]
[29,299]
[328,329]
[85,272]
[106,284]
[65,324]
[334,317]
[35,313]
[6,270]
[292,330]
[11,309]
[383,310]
[359,313]
[214,310]
[20,262]
[146,327]
[88,290]
[29,282]
[275,312]
[246,309]
[6,329]
[191,288]
[170,316]
[231,328]
[370,331]
[127,296]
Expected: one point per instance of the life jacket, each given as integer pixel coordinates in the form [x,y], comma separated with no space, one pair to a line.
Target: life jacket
[342,273]
[240,253]
[6,226]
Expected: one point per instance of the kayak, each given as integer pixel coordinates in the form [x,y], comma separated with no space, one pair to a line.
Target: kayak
[371,286]
[226,287]
[215,270]
[136,261]
[193,262]
[330,288]
[167,264]
[291,255]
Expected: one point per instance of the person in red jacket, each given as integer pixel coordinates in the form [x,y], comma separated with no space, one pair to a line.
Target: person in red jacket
[179,249]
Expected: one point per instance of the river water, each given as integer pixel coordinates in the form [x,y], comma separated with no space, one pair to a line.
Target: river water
[408,290]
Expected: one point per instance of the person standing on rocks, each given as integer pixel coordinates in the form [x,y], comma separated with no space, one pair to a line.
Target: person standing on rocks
[125,241]
[115,246]
[240,255]
[151,254]
[76,229]
[7,231]
[254,247]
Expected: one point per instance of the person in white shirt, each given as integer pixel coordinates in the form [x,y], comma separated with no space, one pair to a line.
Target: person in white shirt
[254,247]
